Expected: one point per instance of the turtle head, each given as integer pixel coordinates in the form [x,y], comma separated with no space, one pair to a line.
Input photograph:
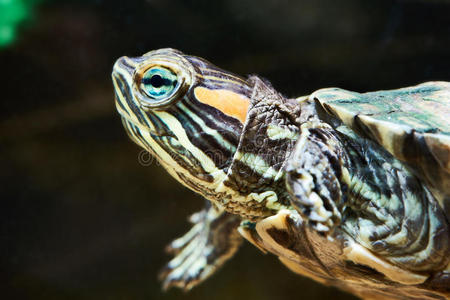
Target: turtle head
[186,112]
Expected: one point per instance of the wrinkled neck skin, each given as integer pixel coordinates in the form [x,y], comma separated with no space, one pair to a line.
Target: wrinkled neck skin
[352,187]
[370,196]
[400,214]
[254,187]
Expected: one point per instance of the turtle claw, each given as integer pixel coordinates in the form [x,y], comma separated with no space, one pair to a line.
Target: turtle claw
[176,246]
[312,178]
[202,250]
[189,266]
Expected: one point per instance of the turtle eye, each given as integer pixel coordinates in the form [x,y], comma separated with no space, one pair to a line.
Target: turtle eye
[159,83]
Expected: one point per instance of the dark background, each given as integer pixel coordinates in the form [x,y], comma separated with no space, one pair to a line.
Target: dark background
[81,218]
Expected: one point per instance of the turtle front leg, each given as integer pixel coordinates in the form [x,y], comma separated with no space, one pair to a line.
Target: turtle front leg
[312,177]
[350,188]
[202,250]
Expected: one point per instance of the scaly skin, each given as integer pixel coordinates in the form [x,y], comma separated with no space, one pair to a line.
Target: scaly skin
[302,182]
[341,182]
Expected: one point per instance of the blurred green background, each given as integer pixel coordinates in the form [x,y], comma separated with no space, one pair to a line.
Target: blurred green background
[81,218]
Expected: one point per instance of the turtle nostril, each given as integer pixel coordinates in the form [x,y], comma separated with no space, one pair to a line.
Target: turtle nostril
[124,65]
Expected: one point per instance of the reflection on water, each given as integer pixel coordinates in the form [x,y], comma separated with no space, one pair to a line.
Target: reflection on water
[81,217]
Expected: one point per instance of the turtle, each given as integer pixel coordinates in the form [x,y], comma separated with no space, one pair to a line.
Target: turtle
[349,189]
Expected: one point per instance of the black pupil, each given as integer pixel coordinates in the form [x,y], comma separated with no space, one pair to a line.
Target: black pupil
[156,81]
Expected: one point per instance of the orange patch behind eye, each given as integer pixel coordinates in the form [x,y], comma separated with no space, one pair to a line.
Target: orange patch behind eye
[228,102]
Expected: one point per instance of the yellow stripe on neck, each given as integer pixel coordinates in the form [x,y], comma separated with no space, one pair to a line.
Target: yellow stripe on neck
[230,103]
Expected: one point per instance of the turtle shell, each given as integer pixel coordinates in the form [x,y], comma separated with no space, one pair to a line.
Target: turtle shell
[412,123]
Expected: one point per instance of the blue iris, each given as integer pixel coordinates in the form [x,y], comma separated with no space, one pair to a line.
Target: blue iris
[159,83]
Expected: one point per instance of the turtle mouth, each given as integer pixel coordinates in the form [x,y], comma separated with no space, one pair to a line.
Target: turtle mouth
[139,128]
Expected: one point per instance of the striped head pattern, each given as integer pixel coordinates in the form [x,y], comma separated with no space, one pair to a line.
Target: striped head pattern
[186,112]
